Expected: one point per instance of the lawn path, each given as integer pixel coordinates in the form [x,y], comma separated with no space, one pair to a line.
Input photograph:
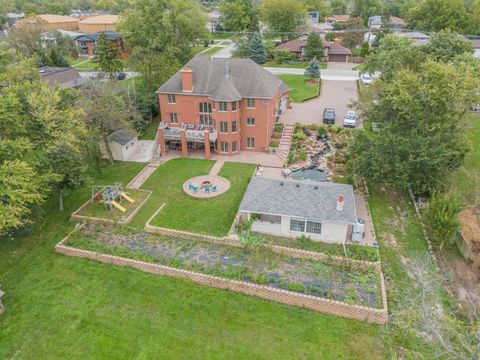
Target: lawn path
[216,168]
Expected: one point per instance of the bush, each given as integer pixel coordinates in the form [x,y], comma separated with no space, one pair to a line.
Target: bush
[335,129]
[307,131]
[299,136]
[283,55]
[321,131]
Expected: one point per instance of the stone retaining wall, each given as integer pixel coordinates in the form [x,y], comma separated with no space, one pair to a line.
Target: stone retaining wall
[94,220]
[356,312]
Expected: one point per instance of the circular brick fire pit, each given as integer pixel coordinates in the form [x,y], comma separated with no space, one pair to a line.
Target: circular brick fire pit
[206,186]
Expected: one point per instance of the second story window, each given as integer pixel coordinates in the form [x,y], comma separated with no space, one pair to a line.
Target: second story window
[171,99]
[234,106]
[223,127]
[234,126]
[173,118]
[222,106]
[250,103]
[205,108]
[250,122]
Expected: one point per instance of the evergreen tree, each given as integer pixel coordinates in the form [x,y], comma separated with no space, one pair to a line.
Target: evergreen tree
[313,69]
[365,49]
[107,56]
[314,47]
[256,49]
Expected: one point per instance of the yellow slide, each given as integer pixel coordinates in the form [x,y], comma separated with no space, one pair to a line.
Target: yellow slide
[118,206]
[126,197]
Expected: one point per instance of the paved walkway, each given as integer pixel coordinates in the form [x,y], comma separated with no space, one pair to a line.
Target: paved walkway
[216,168]
[149,170]
[226,52]
[249,157]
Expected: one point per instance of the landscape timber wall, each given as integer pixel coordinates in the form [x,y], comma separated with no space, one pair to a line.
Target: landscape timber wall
[356,312]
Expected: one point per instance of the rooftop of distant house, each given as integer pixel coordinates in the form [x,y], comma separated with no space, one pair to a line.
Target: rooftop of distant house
[62,76]
[296,45]
[101,19]
[93,37]
[316,201]
[338,18]
[48,18]
[227,79]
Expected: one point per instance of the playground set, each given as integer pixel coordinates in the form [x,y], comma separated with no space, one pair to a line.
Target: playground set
[112,196]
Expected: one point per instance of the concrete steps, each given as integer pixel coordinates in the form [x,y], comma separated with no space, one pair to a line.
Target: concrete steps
[285,142]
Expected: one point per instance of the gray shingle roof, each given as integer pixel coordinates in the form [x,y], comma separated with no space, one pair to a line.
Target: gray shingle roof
[62,76]
[247,77]
[121,136]
[226,91]
[304,199]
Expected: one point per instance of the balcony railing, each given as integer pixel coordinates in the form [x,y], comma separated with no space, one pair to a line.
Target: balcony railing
[192,135]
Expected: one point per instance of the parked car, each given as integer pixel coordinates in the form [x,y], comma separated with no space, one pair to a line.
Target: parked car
[120,76]
[350,119]
[367,79]
[329,116]
[475,107]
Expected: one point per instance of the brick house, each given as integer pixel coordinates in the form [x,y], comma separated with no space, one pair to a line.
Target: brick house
[86,43]
[333,52]
[230,104]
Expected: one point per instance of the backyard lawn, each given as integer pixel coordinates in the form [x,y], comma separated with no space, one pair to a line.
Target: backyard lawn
[212,216]
[60,307]
[301,90]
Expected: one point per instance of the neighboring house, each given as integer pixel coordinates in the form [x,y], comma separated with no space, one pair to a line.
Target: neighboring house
[62,76]
[213,18]
[47,22]
[418,38]
[224,105]
[375,23]
[122,143]
[337,19]
[50,38]
[12,18]
[98,23]
[314,17]
[320,210]
[333,52]
[86,44]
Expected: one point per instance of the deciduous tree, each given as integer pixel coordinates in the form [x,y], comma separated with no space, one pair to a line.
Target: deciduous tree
[284,16]
[445,46]
[238,15]
[437,15]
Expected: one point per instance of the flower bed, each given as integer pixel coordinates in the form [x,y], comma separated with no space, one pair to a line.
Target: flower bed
[252,265]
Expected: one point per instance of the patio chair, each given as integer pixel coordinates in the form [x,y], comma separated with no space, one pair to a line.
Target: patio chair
[207,189]
[190,186]
[214,188]
[194,188]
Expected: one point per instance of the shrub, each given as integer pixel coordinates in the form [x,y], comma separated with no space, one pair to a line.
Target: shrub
[321,131]
[307,131]
[300,136]
[335,129]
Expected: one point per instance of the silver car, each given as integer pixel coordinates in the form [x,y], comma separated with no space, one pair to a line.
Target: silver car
[350,119]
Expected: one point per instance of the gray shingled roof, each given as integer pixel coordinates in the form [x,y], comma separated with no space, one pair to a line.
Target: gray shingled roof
[303,199]
[121,136]
[247,77]
[226,91]
[62,76]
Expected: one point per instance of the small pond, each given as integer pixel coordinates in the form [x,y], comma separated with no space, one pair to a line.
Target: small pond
[310,174]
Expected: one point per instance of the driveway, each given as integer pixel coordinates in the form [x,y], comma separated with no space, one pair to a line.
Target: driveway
[338,94]
[227,51]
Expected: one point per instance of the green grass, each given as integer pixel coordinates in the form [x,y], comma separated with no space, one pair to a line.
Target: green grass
[213,50]
[212,216]
[151,131]
[301,91]
[97,209]
[301,65]
[60,307]
[221,36]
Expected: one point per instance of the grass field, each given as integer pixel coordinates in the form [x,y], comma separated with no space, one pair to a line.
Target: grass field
[151,131]
[208,216]
[59,307]
[301,91]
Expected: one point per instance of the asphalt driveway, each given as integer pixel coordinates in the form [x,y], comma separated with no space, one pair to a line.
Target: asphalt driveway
[338,94]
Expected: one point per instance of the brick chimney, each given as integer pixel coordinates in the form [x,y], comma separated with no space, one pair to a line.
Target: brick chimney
[340,203]
[187,79]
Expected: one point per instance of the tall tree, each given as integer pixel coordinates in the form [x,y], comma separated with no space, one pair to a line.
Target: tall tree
[445,46]
[314,48]
[420,137]
[473,26]
[256,49]
[160,35]
[339,7]
[355,32]
[287,17]
[436,15]
[107,56]
[366,8]
[318,5]
[238,15]
[394,53]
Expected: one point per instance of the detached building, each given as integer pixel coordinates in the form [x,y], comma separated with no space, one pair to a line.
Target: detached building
[47,22]
[98,23]
[221,105]
[122,143]
[86,44]
[290,208]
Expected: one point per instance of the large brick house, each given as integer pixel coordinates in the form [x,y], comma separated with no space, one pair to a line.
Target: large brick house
[221,105]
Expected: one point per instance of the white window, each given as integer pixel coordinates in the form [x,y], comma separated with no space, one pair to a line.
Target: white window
[297,225]
[171,99]
[223,127]
[234,146]
[250,103]
[314,227]
[224,146]
[173,118]
[223,106]
[205,108]
[234,106]
[206,119]
[234,126]
[250,122]
[250,142]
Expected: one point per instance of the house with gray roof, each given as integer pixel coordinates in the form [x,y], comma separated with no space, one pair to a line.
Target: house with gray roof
[290,208]
[221,105]
[62,76]
[123,144]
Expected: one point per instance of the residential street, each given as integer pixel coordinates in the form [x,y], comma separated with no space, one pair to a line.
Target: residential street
[335,71]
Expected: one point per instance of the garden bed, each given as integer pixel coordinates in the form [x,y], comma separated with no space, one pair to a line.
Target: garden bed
[251,265]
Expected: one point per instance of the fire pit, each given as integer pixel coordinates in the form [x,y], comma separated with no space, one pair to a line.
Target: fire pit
[206,186]
[206,183]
